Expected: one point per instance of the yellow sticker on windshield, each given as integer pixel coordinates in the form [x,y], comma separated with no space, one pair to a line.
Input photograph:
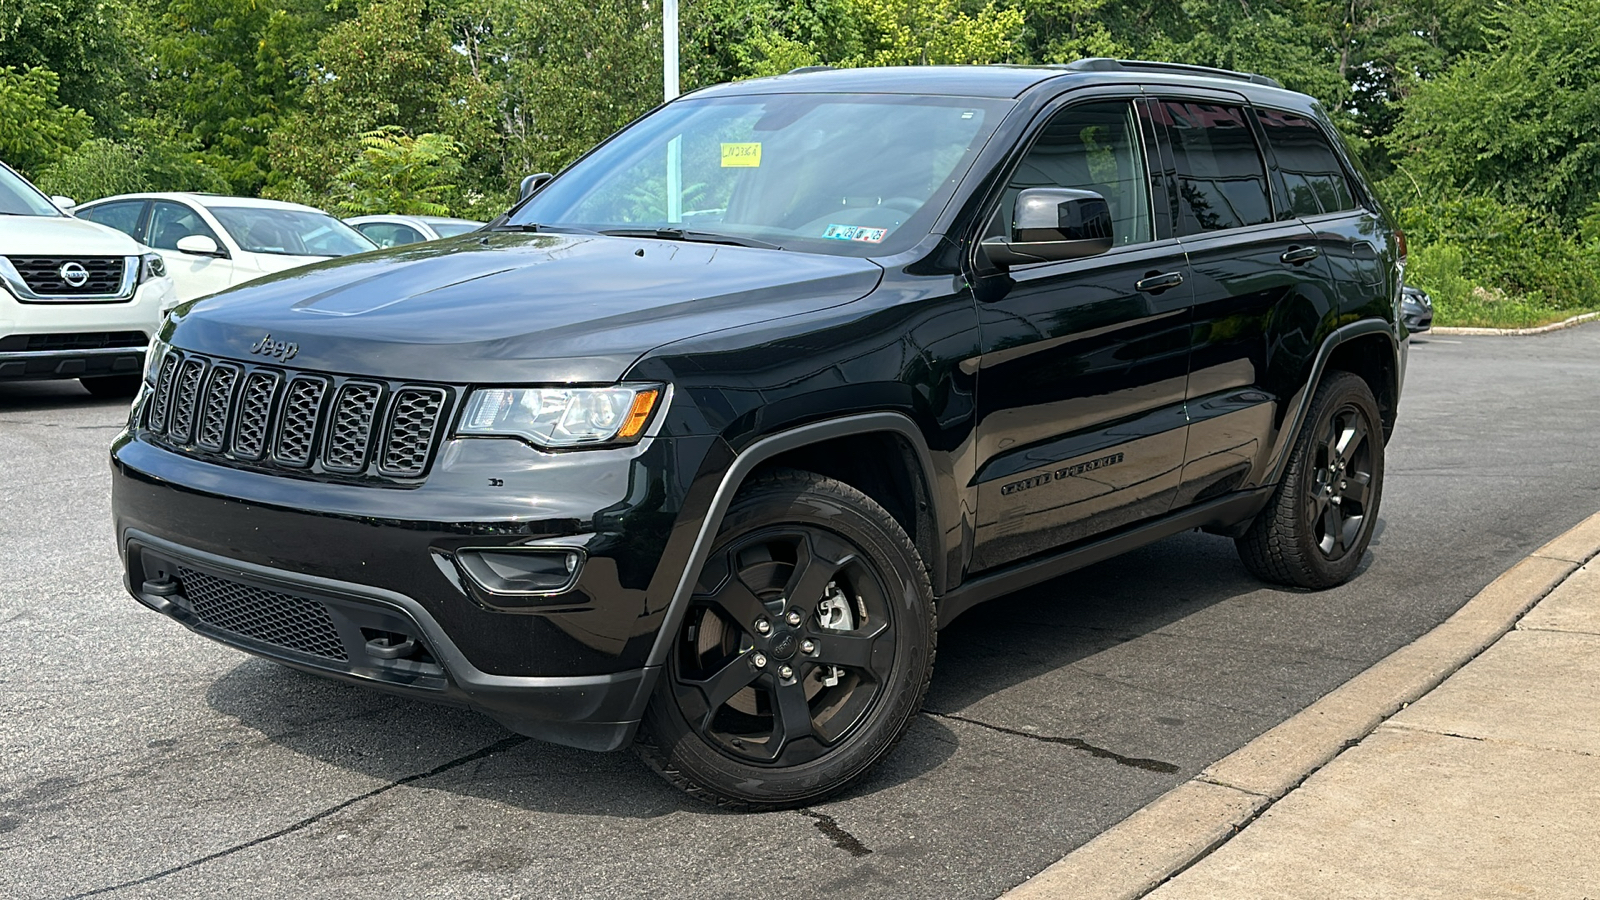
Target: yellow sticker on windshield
[741,156]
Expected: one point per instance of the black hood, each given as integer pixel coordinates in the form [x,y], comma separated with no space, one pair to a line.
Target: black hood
[513,308]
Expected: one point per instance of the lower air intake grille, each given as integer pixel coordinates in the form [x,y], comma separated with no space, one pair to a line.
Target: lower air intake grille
[278,619]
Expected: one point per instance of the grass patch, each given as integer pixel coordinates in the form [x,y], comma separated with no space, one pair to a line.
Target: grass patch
[1458,302]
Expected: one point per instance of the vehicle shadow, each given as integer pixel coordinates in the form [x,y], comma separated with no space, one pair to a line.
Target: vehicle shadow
[1210,633]
[397,738]
[45,396]
[1040,633]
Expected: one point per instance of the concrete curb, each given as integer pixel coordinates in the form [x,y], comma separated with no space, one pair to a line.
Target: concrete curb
[1542,329]
[1181,827]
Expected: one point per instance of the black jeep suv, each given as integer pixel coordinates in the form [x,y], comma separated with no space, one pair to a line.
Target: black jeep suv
[714,430]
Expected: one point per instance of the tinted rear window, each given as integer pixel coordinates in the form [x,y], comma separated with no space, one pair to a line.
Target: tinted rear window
[1313,180]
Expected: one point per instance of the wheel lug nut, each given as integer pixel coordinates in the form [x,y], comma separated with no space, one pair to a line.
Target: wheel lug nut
[808,646]
[760,660]
[795,617]
[763,626]
[785,672]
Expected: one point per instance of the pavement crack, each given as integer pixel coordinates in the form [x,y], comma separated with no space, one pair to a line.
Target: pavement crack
[1148,765]
[842,839]
[440,769]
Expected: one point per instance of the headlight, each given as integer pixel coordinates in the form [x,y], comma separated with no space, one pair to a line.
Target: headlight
[561,417]
[152,359]
[151,265]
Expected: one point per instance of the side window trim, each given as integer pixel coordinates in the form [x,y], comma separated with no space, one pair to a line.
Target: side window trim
[996,192]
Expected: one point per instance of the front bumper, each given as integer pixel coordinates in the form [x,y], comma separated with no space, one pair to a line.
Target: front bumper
[378,638]
[58,340]
[374,567]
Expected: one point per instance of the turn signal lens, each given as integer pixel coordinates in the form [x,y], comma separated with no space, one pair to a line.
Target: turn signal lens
[639,414]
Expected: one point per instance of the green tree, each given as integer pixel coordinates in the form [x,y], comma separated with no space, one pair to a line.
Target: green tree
[1518,121]
[35,127]
[393,66]
[93,47]
[399,174]
[153,158]
[227,73]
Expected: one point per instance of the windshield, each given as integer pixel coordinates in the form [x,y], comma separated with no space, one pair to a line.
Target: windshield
[451,229]
[848,174]
[19,198]
[290,232]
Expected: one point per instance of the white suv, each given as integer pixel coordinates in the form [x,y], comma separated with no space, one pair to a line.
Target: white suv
[212,243]
[77,300]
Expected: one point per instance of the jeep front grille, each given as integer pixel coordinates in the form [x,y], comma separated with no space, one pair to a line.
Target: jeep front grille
[294,623]
[322,426]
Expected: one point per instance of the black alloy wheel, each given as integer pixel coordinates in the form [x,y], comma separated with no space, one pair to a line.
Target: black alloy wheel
[804,653]
[1315,529]
[1341,482]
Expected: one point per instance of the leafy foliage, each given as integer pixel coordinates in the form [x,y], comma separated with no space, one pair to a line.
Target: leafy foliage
[1479,117]
[34,126]
[400,174]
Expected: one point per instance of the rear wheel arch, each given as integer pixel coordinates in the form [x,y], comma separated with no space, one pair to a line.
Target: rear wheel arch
[1371,356]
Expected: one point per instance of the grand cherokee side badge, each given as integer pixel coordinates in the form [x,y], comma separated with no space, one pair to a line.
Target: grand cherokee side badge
[281,350]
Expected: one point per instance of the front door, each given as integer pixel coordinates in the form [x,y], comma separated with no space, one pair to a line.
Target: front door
[1080,385]
[193,276]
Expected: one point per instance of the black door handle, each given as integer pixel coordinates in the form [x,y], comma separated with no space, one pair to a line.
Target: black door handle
[1299,256]
[1156,282]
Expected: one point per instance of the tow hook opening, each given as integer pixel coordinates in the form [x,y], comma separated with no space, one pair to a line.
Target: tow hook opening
[395,645]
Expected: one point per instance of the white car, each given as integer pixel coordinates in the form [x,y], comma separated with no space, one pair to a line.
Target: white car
[211,243]
[77,300]
[392,231]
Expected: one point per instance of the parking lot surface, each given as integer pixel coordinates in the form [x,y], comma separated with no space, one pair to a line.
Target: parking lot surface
[139,760]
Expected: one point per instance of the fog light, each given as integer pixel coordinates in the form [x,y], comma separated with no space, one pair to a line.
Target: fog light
[518,572]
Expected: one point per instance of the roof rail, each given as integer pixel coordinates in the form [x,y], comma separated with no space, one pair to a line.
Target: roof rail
[804,69]
[1103,64]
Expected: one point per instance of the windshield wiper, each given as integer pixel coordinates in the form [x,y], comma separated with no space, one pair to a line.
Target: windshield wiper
[699,237]
[536,228]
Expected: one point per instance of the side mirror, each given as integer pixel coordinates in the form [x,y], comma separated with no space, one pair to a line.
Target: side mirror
[63,203]
[198,245]
[532,183]
[1051,225]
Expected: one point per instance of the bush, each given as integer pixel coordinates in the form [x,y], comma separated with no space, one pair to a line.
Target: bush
[1485,262]
[148,161]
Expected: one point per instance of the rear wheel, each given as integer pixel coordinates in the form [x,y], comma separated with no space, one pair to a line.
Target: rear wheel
[111,387]
[804,654]
[1318,524]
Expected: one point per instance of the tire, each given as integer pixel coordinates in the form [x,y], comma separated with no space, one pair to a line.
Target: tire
[1318,523]
[780,714]
[112,387]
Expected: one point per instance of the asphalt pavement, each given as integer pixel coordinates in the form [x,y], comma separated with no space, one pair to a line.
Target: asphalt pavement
[138,760]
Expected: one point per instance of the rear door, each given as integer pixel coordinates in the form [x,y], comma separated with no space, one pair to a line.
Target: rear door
[1318,189]
[1080,385]
[1260,289]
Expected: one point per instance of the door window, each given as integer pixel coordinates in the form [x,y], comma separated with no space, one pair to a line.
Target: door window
[122,215]
[1089,147]
[1222,182]
[172,222]
[1314,182]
